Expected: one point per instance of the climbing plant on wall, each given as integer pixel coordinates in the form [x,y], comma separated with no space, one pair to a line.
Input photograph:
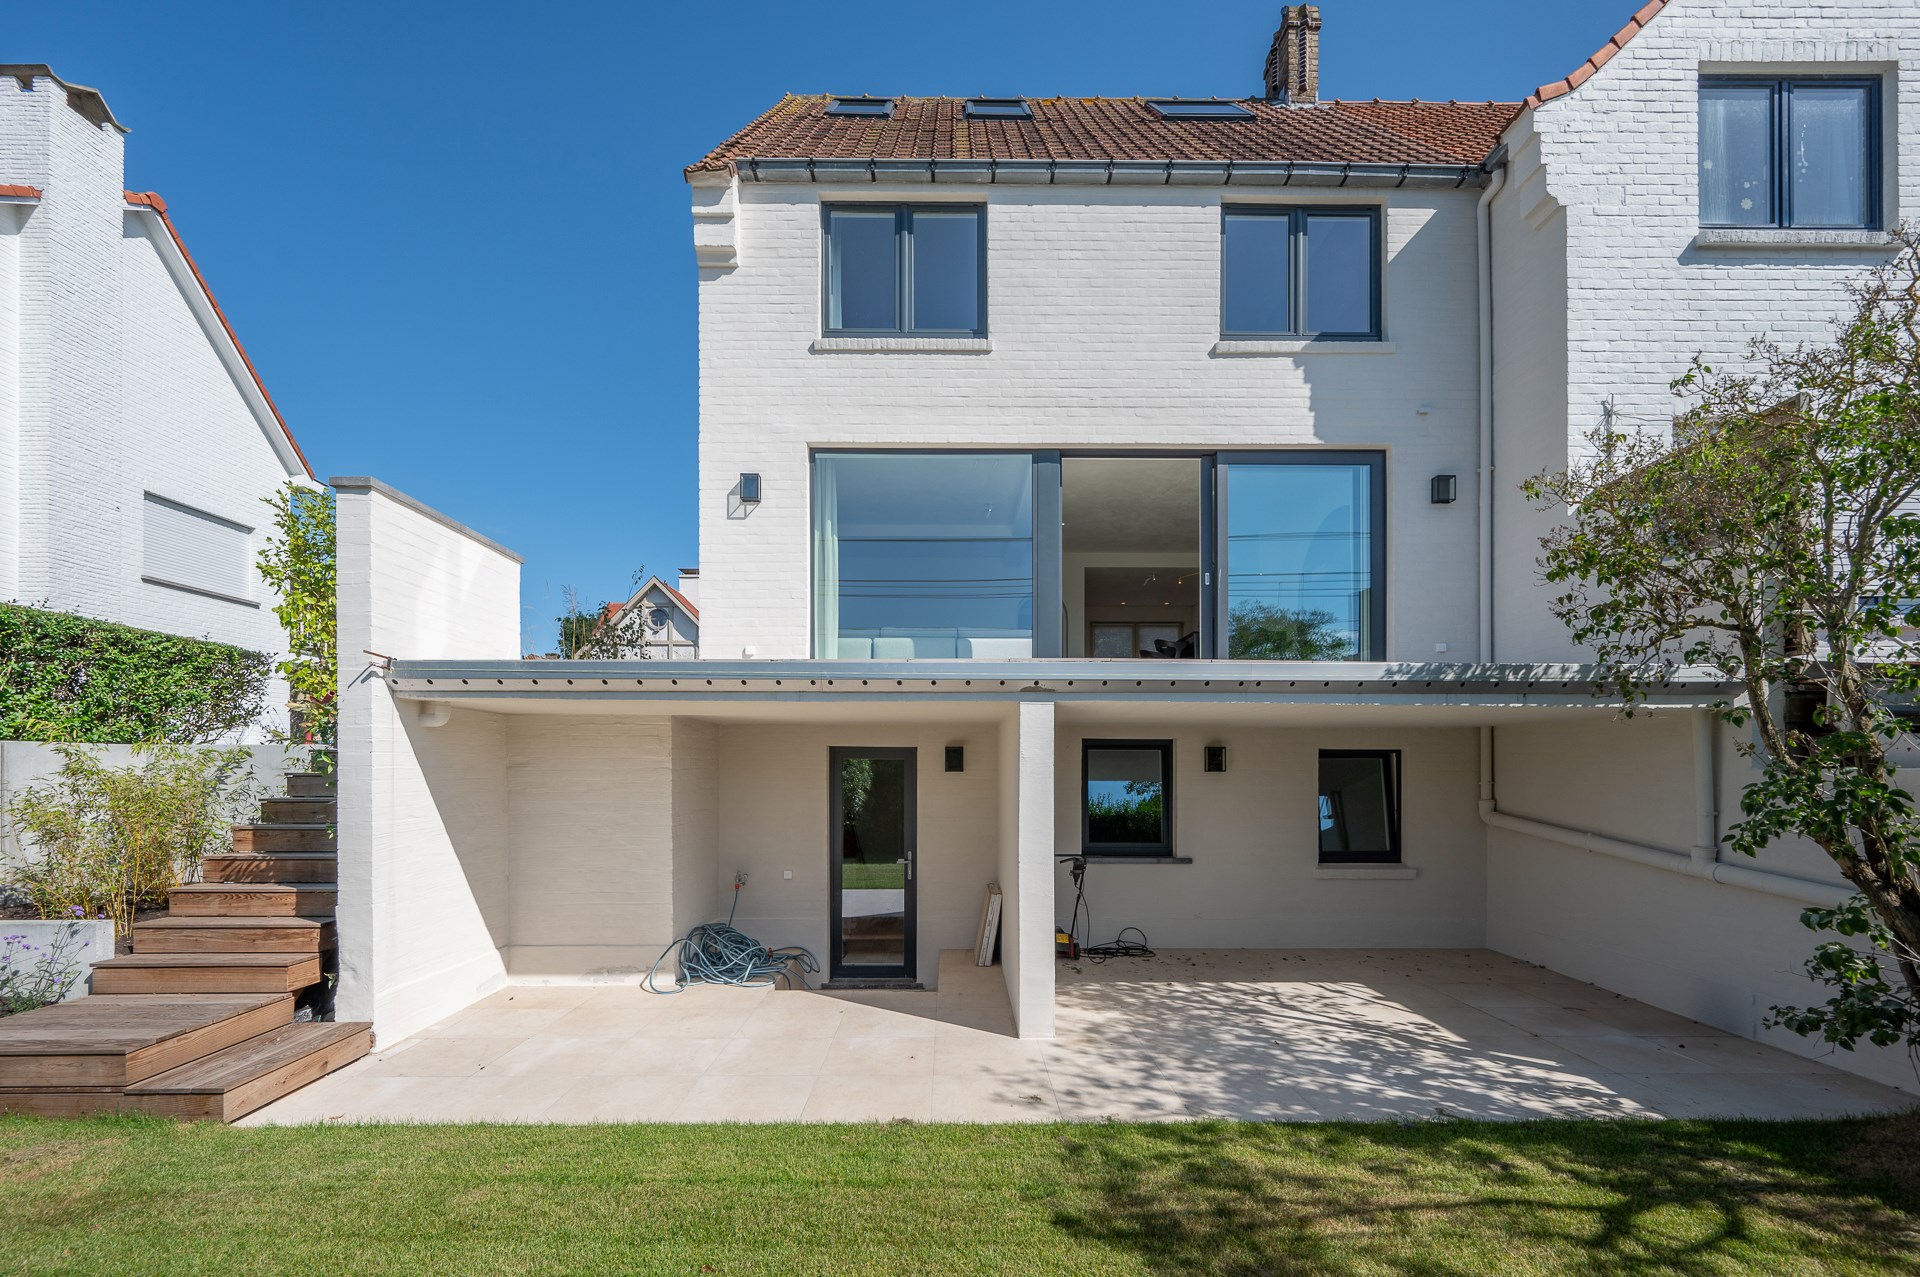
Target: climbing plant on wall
[298,562]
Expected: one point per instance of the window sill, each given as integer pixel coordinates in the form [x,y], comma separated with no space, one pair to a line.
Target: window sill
[1769,237]
[1138,860]
[1399,872]
[1239,347]
[903,345]
[163,583]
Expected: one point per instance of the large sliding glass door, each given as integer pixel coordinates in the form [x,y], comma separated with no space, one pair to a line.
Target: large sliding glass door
[1304,556]
[968,555]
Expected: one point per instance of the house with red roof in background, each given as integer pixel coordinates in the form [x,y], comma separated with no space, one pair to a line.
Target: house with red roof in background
[137,439]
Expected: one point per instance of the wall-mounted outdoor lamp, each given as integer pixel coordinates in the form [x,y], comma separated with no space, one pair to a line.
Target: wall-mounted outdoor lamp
[956,758]
[749,489]
[1446,489]
[1216,758]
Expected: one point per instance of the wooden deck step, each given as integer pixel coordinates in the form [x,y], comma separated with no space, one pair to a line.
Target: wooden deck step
[206,973]
[253,900]
[115,1041]
[286,836]
[286,866]
[312,784]
[299,811]
[233,1082]
[233,935]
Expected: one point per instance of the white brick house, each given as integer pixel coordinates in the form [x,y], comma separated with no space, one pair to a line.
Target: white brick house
[136,439]
[1135,481]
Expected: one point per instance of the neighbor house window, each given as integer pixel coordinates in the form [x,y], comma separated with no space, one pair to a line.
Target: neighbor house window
[894,269]
[190,549]
[1127,797]
[919,555]
[1359,806]
[1790,152]
[1300,272]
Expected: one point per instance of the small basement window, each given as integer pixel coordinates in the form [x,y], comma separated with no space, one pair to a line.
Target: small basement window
[1126,804]
[879,107]
[1359,806]
[1199,109]
[999,109]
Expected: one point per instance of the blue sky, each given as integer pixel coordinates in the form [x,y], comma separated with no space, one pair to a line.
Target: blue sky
[455,238]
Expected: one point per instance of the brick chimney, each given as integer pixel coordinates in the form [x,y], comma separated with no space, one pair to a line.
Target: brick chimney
[1293,63]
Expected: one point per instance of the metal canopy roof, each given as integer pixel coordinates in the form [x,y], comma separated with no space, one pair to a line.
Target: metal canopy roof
[1400,682]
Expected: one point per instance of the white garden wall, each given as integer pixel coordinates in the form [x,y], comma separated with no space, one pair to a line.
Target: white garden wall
[424,812]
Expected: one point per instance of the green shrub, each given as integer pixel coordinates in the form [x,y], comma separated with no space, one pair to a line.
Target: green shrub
[109,840]
[298,562]
[72,678]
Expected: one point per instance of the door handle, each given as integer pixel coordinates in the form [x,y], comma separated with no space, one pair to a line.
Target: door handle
[908,862]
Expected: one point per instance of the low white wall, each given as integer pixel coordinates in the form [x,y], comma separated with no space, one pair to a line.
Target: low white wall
[1253,834]
[69,946]
[23,762]
[1717,953]
[423,810]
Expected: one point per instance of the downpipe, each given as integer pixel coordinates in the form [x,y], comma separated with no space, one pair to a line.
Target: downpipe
[1483,485]
[1701,861]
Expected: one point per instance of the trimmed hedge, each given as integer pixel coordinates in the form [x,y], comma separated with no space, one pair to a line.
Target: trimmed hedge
[72,678]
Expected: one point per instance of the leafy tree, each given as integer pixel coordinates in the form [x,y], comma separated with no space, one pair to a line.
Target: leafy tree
[1774,537]
[610,632]
[1263,632]
[298,561]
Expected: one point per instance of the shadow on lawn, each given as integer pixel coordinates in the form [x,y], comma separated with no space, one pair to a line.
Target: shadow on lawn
[1467,1199]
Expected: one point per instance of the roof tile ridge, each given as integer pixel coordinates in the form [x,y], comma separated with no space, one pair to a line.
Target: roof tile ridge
[1603,55]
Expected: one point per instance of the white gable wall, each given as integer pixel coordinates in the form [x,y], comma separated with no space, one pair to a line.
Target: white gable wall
[1104,310]
[1621,159]
[116,380]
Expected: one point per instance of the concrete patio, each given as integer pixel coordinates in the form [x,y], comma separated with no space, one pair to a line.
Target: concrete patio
[1262,1035]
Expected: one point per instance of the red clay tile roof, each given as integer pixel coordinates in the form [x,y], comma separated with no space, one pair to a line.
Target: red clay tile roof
[1584,72]
[19,192]
[798,127]
[148,199]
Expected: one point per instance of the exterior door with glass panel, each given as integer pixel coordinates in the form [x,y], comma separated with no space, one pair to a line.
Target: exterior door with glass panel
[1302,538]
[872,831]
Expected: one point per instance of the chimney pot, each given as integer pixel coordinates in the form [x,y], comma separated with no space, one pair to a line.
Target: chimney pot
[1293,63]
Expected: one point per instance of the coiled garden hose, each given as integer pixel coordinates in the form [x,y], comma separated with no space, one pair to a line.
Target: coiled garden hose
[717,953]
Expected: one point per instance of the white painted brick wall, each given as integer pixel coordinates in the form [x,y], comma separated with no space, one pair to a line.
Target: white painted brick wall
[1104,309]
[111,386]
[1621,156]
[424,811]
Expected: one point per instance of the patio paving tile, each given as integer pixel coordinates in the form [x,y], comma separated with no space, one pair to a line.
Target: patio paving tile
[1316,1035]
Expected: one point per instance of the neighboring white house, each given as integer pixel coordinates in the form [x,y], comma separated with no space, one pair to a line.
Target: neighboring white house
[136,439]
[1136,479]
[663,619]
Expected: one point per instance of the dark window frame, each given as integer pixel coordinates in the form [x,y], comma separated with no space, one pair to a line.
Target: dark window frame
[1164,848]
[1396,851]
[861,107]
[903,215]
[1780,193]
[998,109]
[1199,109]
[1297,215]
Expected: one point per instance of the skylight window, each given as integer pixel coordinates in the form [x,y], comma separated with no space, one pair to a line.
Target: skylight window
[881,108]
[1199,109]
[999,109]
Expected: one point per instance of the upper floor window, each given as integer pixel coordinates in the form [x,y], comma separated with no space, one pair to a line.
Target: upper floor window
[1790,152]
[901,269]
[1300,272]
[193,550]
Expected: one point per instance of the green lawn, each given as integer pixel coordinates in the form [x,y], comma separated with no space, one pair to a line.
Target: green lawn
[1453,1199]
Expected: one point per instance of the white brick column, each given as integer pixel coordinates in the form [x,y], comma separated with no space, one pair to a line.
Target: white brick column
[1026,866]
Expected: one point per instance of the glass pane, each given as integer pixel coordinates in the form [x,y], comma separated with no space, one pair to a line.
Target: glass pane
[1253,274]
[923,555]
[1125,797]
[1736,144]
[1113,640]
[1356,812]
[1299,563]
[946,272]
[1339,274]
[1827,155]
[873,862]
[862,270]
